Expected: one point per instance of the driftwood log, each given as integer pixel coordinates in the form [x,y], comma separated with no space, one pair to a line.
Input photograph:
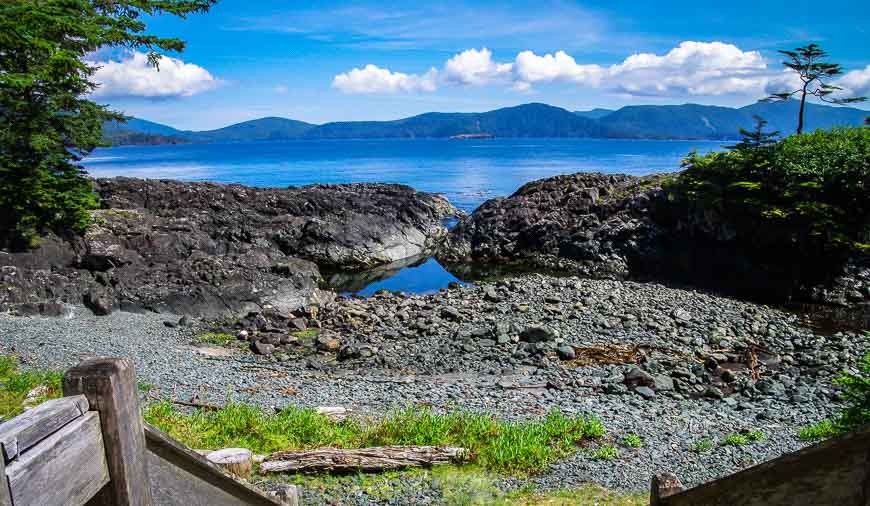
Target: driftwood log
[238,461]
[365,459]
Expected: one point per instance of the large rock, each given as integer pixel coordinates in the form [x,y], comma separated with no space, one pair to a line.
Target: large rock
[595,223]
[217,250]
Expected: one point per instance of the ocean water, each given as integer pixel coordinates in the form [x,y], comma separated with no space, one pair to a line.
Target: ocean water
[468,172]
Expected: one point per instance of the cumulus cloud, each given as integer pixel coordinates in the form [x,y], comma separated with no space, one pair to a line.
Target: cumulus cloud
[475,67]
[531,68]
[692,68]
[133,76]
[856,82]
[373,79]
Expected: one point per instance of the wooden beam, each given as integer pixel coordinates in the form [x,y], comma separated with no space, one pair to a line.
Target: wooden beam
[32,426]
[66,469]
[179,471]
[110,387]
[5,493]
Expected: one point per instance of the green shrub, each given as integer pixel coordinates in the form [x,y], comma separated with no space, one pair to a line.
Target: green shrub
[818,431]
[856,415]
[808,191]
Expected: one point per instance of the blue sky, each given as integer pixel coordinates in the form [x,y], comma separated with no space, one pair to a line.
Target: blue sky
[330,60]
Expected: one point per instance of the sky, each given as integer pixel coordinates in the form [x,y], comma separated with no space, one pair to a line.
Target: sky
[322,61]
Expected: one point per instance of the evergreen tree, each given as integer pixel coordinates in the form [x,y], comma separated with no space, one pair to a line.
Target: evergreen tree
[47,123]
[757,138]
[808,63]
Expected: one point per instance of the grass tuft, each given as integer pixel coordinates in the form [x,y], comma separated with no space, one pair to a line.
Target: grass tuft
[703,445]
[606,453]
[818,431]
[632,441]
[15,384]
[741,439]
[510,447]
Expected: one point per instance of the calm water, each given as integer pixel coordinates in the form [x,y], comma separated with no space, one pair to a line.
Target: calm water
[468,172]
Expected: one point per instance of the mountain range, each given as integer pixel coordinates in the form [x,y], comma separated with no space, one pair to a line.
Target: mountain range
[689,121]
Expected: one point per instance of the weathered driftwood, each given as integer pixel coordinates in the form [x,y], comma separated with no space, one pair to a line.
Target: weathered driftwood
[238,461]
[334,413]
[67,468]
[365,459]
[27,429]
[110,386]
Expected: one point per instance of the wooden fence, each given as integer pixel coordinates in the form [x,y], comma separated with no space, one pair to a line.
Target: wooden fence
[92,447]
[834,472]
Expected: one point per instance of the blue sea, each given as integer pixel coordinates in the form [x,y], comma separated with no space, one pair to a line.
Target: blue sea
[468,172]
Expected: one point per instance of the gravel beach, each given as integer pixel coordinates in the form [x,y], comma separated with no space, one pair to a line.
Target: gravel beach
[664,363]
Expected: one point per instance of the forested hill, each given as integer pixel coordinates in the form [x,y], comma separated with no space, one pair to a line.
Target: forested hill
[689,121]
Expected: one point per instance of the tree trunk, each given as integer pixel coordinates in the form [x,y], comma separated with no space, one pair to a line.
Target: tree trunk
[365,459]
[800,127]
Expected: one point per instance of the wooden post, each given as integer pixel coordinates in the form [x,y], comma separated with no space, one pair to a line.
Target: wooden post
[110,387]
[663,486]
[5,493]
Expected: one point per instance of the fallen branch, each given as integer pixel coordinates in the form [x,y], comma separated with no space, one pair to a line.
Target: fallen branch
[365,459]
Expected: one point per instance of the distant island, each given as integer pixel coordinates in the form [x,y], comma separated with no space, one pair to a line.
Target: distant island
[686,122]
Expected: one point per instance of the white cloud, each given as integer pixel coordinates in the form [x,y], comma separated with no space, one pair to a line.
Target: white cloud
[373,79]
[692,68]
[531,68]
[856,83]
[135,77]
[475,67]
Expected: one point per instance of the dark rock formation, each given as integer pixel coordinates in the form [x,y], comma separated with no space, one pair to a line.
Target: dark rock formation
[592,223]
[617,226]
[214,250]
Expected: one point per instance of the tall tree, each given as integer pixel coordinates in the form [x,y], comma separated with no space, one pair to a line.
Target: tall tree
[757,138]
[47,122]
[808,63]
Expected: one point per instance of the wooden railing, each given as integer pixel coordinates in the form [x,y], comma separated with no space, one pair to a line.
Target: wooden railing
[92,447]
[834,472]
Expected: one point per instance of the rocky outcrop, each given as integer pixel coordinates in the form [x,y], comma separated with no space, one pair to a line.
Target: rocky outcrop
[617,226]
[594,224]
[216,250]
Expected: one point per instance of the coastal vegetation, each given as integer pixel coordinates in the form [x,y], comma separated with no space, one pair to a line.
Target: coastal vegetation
[47,122]
[22,388]
[807,191]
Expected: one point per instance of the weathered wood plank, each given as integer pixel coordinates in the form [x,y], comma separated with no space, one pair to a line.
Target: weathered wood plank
[65,469]
[110,386]
[5,494]
[32,426]
[182,476]
[832,472]
[363,459]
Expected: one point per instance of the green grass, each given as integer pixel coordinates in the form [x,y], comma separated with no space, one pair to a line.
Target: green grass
[703,445]
[509,447]
[15,384]
[819,431]
[606,453]
[218,338]
[741,439]
[632,441]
